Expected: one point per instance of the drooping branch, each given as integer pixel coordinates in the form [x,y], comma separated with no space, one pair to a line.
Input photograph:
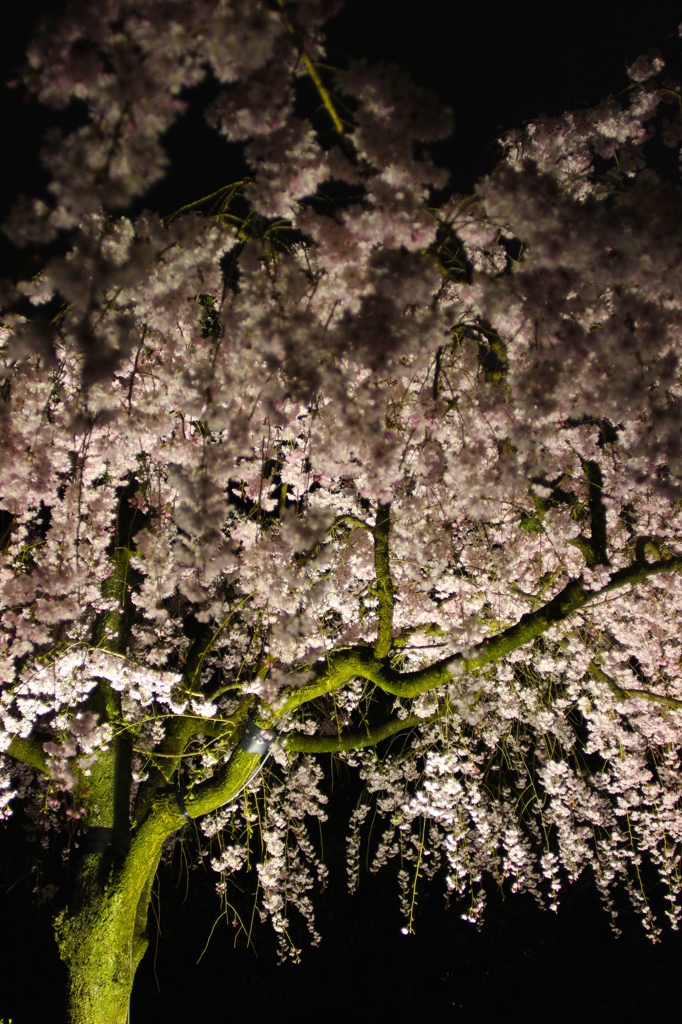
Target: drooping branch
[202,646]
[164,763]
[167,757]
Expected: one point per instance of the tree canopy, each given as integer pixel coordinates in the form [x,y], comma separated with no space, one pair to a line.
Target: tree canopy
[321,466]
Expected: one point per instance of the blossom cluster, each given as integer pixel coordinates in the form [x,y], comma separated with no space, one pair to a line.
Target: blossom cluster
[231,437]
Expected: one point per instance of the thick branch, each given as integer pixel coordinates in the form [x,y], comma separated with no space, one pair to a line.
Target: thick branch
[112,629]
[638,573]
[573,597]
[166,759]
[348,517]
[225,785]
[113,916]
[594,546]
[30,751]
[361,661]
[353,741]
[384,583]
[346,665]
[595,493]
[106,792]
[623,694]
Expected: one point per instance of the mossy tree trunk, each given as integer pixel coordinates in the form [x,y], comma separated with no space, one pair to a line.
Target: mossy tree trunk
[101,938]
[102,932]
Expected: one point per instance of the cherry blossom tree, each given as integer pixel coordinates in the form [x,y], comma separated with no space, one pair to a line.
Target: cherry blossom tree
[319,468]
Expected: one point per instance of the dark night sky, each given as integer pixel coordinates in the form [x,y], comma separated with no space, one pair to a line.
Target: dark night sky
[496,65]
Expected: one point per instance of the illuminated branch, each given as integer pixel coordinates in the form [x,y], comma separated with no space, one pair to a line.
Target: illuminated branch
[353,741]
[312,70]
[166,760]
[361,661]
[224,786]
[112,629]
[623,694]
[348,517]
[107,793]
[573,597]
[638,573]
[30,751]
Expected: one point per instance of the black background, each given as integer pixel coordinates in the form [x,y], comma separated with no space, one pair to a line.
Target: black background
[496,65]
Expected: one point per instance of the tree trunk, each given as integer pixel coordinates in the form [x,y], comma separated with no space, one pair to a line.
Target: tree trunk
[101,938]
[102,933]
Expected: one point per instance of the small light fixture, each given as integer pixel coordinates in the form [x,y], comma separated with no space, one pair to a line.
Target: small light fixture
[256,740]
